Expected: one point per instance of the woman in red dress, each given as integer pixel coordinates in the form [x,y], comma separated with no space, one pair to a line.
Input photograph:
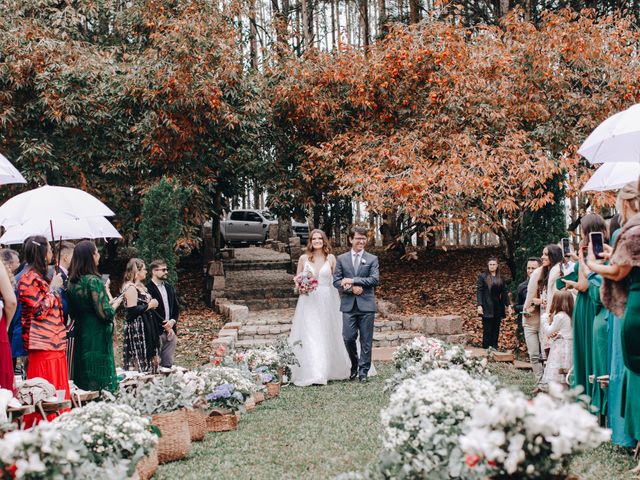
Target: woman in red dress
[8,297]
[43,330]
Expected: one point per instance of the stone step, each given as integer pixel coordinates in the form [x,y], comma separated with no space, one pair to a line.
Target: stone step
[250,337]
[258,293]
[260,304]
[235,265]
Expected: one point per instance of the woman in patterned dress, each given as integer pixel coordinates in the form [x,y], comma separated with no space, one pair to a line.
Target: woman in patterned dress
[141,333]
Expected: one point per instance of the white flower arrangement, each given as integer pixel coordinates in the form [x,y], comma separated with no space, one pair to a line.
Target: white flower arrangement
[263,357]
[111,431]
[47,451]
[425,354]
[241,379]
[163,394]
[424,420]
[519,438]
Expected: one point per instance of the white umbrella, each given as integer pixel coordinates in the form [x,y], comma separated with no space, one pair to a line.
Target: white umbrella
[617,139]
[611,176]
[48,203]
[9,173]
[65,229]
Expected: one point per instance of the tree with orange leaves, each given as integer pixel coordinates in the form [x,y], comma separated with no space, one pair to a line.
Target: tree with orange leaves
[465,125]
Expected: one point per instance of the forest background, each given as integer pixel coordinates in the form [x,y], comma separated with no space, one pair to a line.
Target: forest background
[431,113]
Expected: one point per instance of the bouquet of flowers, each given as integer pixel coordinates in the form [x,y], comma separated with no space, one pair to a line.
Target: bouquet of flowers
[227,387]
[164,393]
[47,451]
[425,354]
[305,283]
[424,420]
[265,363]
[513,437]
[111,431]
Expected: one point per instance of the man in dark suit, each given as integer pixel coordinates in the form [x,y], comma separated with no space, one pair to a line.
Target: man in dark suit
[356,276]
[167,312]
[532,264]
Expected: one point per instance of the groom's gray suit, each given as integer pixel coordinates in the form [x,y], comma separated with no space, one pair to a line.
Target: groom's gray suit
[358,311]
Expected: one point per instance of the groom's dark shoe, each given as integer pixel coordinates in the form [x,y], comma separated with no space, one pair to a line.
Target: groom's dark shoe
[363,379]
[353,375]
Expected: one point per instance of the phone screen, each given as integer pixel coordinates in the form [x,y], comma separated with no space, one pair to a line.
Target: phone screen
[597,242]
[566,246]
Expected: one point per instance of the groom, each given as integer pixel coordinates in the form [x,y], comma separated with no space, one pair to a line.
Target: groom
[356,275]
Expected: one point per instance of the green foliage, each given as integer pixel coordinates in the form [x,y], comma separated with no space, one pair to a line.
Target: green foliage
[539,228]
[160,226]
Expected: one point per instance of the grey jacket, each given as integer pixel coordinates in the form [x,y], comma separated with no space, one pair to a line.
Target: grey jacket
[367,277]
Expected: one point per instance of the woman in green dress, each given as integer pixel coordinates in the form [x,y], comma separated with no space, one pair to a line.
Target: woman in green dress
[585,310]
[93,309]
[621,295]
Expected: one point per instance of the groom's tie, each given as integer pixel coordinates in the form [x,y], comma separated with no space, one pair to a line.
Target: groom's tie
[356,263]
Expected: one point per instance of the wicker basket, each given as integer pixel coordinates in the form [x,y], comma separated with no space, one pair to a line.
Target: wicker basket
[147,467]
[273,390]
[222,421]
[197,420]
[175,442]
[258,397]
[250,404]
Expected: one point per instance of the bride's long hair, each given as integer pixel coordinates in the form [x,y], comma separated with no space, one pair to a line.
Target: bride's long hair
[326,246]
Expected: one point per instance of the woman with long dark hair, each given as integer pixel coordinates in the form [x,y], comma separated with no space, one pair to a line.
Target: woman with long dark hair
[43,330]
[585,311]
[141,343]
[493,302]
[539,292]
[90,306]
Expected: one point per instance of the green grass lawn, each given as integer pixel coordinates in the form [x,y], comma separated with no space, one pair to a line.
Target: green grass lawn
[319,432]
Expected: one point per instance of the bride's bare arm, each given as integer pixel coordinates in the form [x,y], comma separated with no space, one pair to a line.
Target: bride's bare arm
[332,262]
[301,261]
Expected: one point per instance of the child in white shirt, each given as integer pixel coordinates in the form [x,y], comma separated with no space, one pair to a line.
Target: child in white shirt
[557,325]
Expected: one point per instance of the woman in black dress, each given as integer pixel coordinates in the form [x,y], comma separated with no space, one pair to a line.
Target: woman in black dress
[493,303]
[141,332]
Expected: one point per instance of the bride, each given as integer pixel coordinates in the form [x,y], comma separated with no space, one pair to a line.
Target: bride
[316,334]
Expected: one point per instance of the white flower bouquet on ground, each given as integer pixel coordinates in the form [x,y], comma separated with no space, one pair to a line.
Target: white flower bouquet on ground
[424,420]
[425,354]
[228,387]
[511,437]
[48,451]
[163,394]
[111,431]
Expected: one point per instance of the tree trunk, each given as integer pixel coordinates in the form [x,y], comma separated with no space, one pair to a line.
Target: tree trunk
[363,7]
[307,24]
[382,18]
[414,11]
[333,24]
[253,36]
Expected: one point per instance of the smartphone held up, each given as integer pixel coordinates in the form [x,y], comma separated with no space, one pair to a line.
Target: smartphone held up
[597,244]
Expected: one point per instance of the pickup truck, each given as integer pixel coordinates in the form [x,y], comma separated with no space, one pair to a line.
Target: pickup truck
[252,226]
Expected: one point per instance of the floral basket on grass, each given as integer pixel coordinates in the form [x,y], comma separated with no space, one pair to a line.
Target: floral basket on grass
[513,437]
[48,451]
[166,399]
[227,390]
[424,420]
[111,431]
[424,354]
[266,365]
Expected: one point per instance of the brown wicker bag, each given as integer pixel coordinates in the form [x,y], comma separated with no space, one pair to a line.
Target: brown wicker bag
[147,466]
[175,441]
[222,421]
[258,397]
[197,420]
[273,390]
[250,404]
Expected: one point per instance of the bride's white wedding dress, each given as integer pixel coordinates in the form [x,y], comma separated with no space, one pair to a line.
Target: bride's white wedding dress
[317,325]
